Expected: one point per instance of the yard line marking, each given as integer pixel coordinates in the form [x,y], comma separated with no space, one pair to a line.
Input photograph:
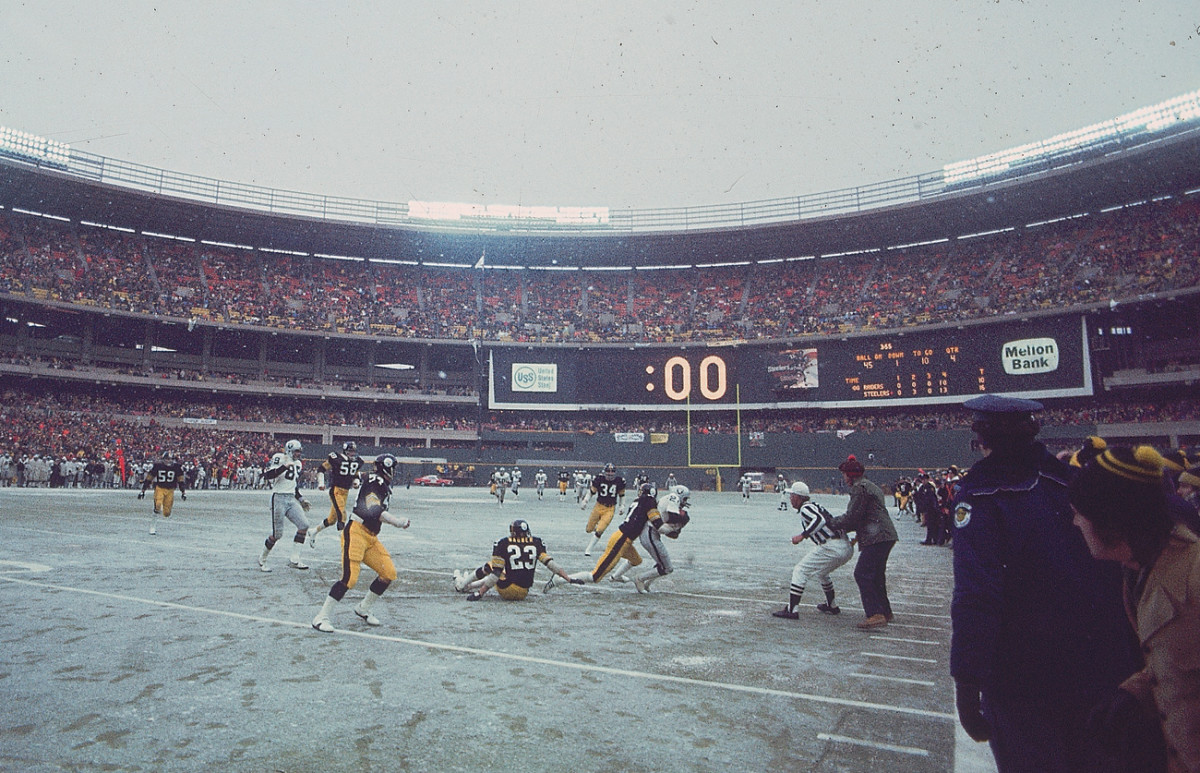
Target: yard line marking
[918,627]
[749,689]
[897,657]
[873,744]
[906,641]
[921,682]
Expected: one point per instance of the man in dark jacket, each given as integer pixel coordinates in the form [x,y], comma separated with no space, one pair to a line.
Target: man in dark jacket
[1039,633]
[868,518]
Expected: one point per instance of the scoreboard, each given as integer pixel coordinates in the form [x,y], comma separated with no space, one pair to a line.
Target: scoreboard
[1045,357]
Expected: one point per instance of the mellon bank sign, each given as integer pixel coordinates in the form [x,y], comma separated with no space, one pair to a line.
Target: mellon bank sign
[1029,356]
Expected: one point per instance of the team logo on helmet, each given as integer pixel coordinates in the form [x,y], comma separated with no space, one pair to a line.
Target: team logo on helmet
[385,465]
[350,447]
[518,528]
[293,448]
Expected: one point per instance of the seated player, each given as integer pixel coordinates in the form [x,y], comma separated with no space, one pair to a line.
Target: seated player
[510,569]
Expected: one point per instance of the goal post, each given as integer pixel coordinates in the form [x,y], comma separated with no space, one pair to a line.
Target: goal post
[718,466]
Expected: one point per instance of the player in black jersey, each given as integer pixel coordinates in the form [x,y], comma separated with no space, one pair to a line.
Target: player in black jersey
[510,569]
[620,554]
[564,481]
[165,475]
[609,490]
[361,545]
[342,469]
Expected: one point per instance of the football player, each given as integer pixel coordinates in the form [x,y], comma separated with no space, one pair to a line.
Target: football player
[620,554]
[672,508]
[503,481]
[609,490]
[510,569]
[342,469]
[283,476]
[539,480]
[564,481]
[361,545]
[831,549]
[166,475]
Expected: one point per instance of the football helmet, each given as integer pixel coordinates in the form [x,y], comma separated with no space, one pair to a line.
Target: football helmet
[683,492]
[610,470]
[518,528]
[645,489]
[350,448]
[293,448]
[385,466]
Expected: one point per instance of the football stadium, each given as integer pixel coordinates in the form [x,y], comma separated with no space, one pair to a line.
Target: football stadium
[459,369]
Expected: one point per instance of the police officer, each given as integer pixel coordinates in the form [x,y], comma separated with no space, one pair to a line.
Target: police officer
[1039,633]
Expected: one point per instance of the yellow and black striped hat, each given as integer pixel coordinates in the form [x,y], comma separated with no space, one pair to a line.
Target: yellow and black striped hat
[1145,465]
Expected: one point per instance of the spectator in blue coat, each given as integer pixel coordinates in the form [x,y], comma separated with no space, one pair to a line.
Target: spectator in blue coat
[1039,633]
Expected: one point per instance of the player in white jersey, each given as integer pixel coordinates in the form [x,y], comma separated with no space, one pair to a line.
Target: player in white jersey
[539,480]
[830,549]
[503,481]
[283,476]
[744,487]
[516,481]
[672,508]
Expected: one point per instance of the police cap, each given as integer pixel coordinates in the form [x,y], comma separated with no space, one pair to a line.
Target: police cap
[998,404]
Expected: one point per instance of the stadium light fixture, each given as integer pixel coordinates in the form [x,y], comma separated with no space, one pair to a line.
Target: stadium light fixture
[31,147]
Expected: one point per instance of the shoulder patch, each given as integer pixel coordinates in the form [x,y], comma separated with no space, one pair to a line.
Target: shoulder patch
[962,515]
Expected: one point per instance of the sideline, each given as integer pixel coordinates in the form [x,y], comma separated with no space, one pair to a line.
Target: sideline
[935,715]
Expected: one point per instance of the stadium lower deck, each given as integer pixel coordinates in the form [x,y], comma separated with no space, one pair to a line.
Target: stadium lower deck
[124,651]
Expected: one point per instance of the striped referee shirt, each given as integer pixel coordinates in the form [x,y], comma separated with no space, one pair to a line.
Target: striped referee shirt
[815,522]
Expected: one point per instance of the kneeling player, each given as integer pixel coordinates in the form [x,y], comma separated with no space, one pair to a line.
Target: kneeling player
[361,545]
[510,569]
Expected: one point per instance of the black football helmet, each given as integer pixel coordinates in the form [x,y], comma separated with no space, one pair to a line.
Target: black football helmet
[350,448]
[385,466]
[518,528]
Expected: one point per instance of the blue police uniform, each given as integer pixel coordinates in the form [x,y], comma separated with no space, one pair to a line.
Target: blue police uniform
[1038,624]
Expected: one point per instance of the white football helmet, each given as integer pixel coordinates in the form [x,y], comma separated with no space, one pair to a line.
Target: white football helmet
[293,449]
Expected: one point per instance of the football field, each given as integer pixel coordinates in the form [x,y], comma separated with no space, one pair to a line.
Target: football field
[123,651]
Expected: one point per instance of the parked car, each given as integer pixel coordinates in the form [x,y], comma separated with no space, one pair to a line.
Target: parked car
[432,480]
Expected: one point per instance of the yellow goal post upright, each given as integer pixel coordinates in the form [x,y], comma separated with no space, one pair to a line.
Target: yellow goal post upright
[717,466]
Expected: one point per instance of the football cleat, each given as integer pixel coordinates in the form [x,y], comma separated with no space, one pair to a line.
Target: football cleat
[460,582]
[297,564]
[577,581]
[641,585]
[474,596]
[262,566]
[153,530]
[617,578]
[787,614]
[323,625]
[829,609]
[367,617]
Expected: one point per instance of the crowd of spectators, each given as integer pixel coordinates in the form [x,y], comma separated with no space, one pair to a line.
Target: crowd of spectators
[61,421]
[1120,254]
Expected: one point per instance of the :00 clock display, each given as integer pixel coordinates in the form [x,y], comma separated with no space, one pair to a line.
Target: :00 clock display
[712,380]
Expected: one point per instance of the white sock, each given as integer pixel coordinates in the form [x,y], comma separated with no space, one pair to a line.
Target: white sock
[368,601]
[595,541]
[326,608]
[648,577]
[622,567]
[585,576]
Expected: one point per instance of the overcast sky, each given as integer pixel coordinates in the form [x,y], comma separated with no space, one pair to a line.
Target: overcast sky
[620,104]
